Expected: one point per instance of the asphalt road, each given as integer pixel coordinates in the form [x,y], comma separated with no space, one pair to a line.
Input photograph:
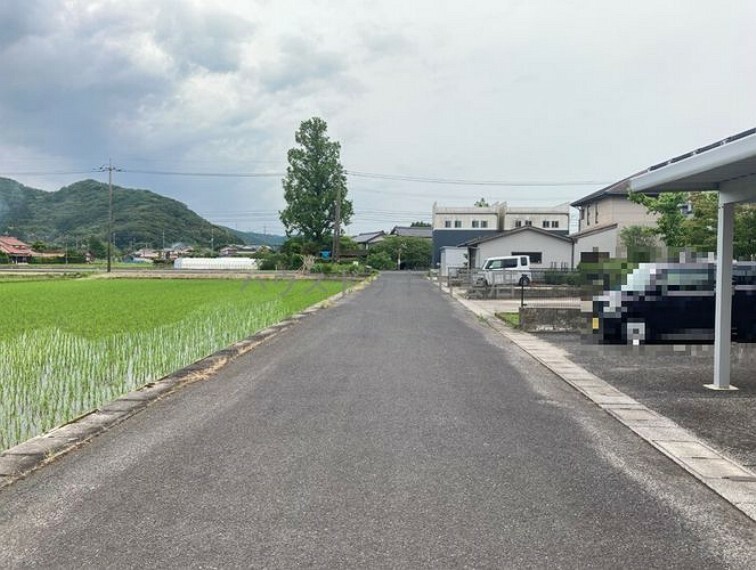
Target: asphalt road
[391,431]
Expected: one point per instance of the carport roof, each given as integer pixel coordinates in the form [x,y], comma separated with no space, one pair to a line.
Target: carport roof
[705,168]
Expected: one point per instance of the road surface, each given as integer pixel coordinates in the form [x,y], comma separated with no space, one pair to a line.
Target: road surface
[394,430]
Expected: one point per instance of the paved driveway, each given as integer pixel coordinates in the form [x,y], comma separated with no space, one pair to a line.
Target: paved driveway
[670,380]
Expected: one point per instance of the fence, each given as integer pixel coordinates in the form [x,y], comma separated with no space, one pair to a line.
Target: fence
[548,287]
[541,307]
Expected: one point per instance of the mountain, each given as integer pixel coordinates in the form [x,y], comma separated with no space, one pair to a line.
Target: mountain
[255,238]
[80,211]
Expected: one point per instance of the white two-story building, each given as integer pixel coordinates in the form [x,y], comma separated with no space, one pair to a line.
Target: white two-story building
[454,226]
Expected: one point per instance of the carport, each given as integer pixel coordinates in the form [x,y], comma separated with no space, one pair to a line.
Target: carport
[729,168]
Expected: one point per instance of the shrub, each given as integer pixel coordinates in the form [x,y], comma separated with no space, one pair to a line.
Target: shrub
[572,278]
[267,264]
[324,268]
[606,274]
[380,260]
[273,261]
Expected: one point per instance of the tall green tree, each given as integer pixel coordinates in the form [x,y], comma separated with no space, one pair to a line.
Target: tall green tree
[314,179]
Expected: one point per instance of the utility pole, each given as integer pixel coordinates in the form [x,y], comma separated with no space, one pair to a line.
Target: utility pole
[110,168]
[337,224]
[110,213]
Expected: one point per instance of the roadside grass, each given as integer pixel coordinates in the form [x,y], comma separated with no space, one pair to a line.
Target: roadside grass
[67,346]
[512,319]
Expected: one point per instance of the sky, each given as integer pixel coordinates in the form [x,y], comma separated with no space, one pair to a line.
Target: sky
[548,99]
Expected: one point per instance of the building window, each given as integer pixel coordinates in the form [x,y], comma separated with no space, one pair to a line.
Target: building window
[535,256]
[457,223]
[518,223]
[475,224]
[528,223]
[555,224]
[587,215]
[447,224]
[545,224]
[595,214]
[582,213]
[484,223]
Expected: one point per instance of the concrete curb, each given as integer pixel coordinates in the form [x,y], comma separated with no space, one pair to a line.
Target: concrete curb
[730,480]
[24,458]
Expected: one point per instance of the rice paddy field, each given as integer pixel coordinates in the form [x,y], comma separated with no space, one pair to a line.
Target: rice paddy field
[69,345]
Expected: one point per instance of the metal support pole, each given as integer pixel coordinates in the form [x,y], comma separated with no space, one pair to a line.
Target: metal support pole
[723,318]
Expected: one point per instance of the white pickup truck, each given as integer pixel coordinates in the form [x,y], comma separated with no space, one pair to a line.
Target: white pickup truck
[505,270]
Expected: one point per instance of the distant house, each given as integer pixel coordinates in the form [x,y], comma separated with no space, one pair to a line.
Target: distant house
[240,250]
[146,253]
[15,249]
[602,216]
[413,231]
[547,250]
[171,253]
[369,239]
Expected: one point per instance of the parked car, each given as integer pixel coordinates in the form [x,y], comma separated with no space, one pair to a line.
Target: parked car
[674,303]
[505,270]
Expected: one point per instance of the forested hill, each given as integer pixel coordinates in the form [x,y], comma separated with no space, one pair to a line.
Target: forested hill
[80,211]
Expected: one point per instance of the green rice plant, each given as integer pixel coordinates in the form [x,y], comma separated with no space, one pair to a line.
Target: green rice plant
[58,369]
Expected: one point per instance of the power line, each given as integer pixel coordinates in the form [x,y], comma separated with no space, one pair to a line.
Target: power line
[208,174]
[48,173]
[402,178]
[352,173]
[378,176]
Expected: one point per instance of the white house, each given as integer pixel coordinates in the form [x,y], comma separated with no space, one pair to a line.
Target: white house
[547,250]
